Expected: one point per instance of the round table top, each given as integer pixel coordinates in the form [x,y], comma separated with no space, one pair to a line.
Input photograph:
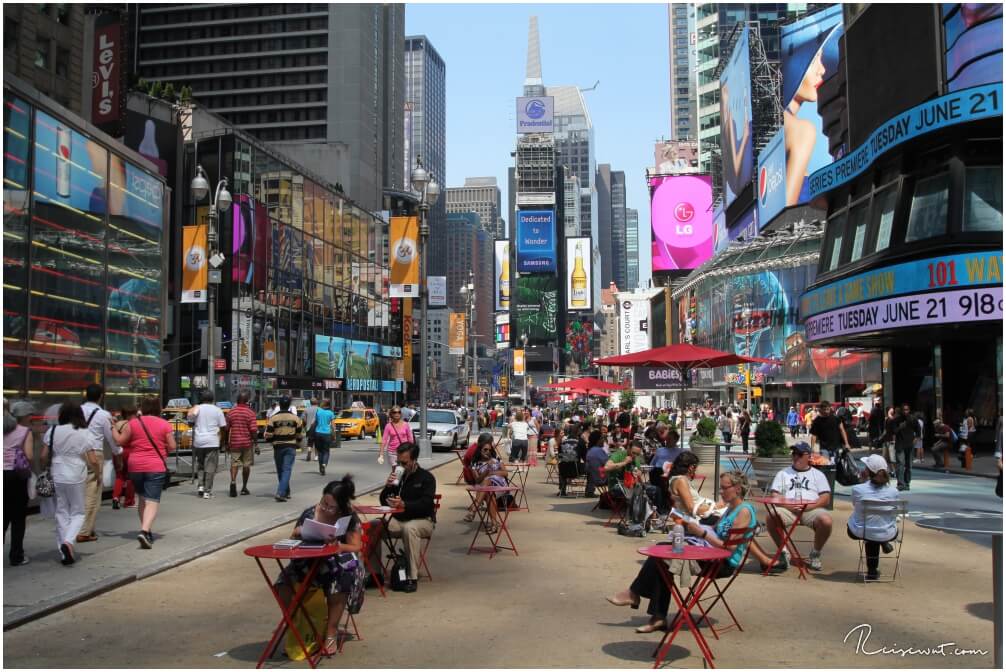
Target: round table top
[371,510]
[666,552]
[964,524]
[267,552]
[492,488]
[783,501]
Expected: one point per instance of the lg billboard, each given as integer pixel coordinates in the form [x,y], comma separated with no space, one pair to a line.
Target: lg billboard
[682,220]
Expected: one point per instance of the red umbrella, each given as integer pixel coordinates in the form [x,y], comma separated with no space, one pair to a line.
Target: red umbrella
[682,356]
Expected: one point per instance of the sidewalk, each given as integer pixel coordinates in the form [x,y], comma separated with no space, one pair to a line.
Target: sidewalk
[191,527]
[543,608]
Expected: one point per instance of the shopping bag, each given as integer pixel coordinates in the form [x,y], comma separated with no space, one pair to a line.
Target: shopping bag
[108,474]
[317,607]
[47,507]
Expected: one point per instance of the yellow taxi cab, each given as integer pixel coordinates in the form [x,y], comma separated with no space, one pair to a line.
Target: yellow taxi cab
[357,423]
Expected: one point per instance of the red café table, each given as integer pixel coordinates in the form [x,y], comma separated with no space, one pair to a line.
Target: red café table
[517,476]
[473,492]
[385,512]
[665,552]
[771,503]
[316,554]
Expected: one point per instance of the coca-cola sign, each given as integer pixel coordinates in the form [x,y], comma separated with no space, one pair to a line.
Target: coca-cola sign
[107,74]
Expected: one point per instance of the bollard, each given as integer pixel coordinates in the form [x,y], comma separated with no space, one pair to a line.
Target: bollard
[968,457]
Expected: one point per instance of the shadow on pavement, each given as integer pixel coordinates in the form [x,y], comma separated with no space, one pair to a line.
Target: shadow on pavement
[642,650]
[983,610]
[851,577]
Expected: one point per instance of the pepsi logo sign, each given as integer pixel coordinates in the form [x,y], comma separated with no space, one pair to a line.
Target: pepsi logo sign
[684,212]
[762,185]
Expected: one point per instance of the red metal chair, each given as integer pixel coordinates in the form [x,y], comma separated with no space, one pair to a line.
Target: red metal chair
[618,504]
[735,537]
[426,544]
[343,631]
[370,539]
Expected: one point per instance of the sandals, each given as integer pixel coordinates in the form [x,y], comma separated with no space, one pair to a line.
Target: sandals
[469,517]
[331,646]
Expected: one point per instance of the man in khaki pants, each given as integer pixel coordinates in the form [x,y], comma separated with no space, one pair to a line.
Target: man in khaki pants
[99,424]
[412,489]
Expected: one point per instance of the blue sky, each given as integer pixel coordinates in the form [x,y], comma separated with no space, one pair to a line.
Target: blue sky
[485,49]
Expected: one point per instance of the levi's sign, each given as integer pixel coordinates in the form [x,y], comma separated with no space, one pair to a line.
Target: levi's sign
[979,102]
[106,77]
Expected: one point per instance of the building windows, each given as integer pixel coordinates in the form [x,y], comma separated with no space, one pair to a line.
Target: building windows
[983,199]
[833,243]
[10,31]
[858,219]
[42,52]
[62,62]
[883,216]
[928,216]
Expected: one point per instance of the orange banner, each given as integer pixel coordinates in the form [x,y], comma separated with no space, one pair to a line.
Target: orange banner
[269,356]
[457,337]
[518,362]
[404,247]
[194,277]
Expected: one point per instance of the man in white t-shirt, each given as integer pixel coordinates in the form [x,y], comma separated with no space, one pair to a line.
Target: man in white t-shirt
[208,422]
[99,425]
[802,481]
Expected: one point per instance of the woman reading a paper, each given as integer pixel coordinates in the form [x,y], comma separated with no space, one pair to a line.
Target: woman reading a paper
[340,576]
[648,583]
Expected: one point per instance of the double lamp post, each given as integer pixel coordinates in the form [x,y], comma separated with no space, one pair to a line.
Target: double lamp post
[429,192]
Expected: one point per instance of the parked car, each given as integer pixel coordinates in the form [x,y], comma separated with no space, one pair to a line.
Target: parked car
[357,423]
[446,428]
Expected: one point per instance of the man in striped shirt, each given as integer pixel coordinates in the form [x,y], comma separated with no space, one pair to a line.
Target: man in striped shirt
[242,430]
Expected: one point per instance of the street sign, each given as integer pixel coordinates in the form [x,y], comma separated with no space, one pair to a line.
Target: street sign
[220,365]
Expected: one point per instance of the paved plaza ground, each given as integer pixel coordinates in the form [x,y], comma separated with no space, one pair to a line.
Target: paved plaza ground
[546,607]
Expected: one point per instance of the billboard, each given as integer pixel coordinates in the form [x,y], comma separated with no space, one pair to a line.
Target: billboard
[535,241]
[972,44]
[501,273]
[108,102]
[654,378]
[194,271]
[404,257]
[771,184]
[437,287]
[536,308]
[249,241]
[633,323]
[736,142]
[809,58]
[578,274]
[676,156]
[535,114]
[456,335]
[518,362]
[682,220]
[502,336]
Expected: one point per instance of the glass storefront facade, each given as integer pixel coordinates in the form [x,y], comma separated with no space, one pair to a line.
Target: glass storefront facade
[303,261]
[84,260]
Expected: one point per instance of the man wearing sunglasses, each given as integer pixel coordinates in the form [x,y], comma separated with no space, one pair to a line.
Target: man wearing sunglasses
[412,490]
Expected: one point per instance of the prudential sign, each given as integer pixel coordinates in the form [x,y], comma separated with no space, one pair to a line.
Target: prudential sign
[534,114]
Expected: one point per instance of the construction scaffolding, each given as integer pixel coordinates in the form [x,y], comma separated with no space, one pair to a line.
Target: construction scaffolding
[535,166]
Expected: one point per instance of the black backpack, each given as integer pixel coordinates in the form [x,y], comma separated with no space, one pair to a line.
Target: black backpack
[568,450]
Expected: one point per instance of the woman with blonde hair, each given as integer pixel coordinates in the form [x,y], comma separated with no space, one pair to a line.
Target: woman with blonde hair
[519,430]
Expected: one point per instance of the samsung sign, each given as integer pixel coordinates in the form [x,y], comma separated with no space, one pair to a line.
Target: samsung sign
[534,114]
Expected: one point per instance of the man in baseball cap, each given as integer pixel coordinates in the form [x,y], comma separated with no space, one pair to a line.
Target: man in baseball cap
[802,481]
[880,528]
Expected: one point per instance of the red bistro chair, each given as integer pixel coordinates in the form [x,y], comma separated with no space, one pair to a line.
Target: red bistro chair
[370,538]
[426,544]
[735,537]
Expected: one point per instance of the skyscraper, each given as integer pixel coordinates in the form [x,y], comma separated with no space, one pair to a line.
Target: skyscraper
[611,239]
[682,52]
[631,248]
[713,25]
[574,148]
[326,81]
[482,196]
[469,248]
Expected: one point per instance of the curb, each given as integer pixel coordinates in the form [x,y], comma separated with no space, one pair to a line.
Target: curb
[45,608]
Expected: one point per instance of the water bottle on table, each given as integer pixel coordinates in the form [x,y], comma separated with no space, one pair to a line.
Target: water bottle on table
[678,538]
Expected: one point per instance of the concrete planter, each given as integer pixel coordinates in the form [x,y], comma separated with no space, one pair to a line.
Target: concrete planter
[706,452]
[764,469]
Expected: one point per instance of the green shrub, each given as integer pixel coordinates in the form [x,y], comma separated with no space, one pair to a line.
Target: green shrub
[770,440]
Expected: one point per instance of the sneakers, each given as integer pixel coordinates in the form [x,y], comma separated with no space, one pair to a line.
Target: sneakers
[783,563]
[23,561]
[307,458]
[887,547]
[410,586]
[115,505]
[872,576]
[146,539]
[200,490]
[321,468]
[244,491]
[234,490]
[66,554]
[814,561]
[208,494]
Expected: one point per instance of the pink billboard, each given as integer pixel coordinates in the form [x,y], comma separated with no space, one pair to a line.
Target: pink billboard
[682,219]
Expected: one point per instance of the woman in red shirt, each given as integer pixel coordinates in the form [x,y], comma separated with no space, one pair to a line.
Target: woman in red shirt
[148,439]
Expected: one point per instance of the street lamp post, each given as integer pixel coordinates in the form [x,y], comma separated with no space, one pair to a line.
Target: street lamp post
[469,291]
[746,315]
[221,201]
[523,343]
[429,191]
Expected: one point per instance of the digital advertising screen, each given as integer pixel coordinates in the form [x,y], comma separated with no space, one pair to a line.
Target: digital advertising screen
[736,143]
[973,44]
[536,241]
[501,275]
[537,308]
[249,241]
[809,58]
[682,221]
[771,184]
[579,279]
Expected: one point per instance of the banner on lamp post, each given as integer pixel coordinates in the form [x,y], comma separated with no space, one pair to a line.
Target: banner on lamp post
[457,336]
[437,286]
[404,257]
[518,362]
[269,356]
[194,271]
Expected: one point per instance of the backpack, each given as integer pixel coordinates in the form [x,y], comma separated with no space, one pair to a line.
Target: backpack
[568,450]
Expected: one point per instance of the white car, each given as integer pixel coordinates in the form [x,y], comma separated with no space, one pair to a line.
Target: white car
[446,428]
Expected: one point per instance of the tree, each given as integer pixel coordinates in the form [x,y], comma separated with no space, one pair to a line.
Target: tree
[627,399]
[169,92]
[186,95]
[155,90]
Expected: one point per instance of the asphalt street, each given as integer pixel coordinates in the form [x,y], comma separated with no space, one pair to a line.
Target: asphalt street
[187,527]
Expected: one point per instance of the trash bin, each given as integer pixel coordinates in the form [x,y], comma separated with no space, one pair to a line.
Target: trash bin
[829,472]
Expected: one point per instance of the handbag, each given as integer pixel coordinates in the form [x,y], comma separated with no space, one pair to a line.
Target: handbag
[44,486]
[107,474]
[22,467]
[847,468]
[399,573]
[167,479]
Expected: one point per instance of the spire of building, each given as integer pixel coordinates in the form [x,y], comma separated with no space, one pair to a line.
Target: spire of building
[532,80]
